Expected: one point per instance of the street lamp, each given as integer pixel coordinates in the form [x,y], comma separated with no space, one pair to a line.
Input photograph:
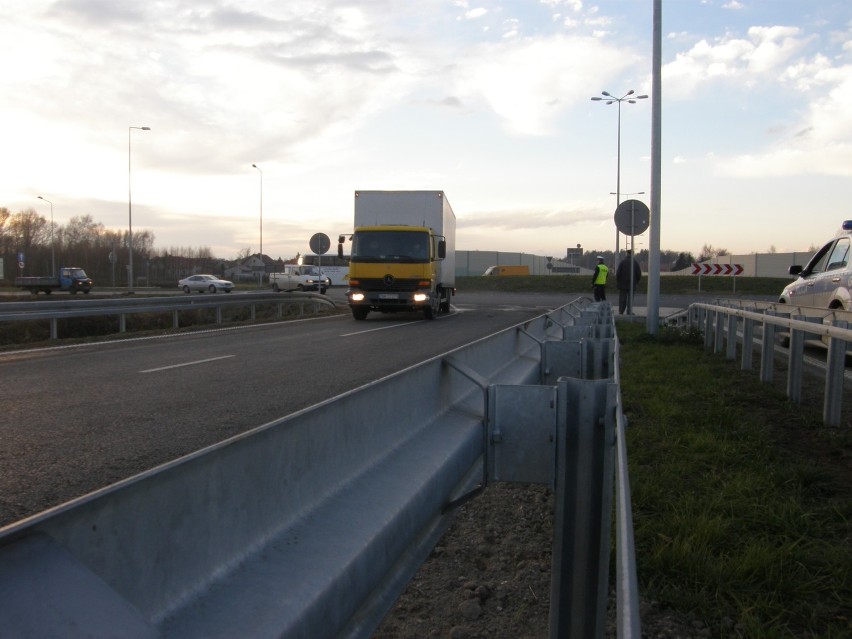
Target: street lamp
[260,283]
[609,99]
[129,211]
[52,244]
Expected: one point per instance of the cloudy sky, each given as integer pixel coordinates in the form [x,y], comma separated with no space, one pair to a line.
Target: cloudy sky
[487,101]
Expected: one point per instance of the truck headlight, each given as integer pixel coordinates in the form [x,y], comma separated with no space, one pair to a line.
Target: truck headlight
[421,297]
[357,297]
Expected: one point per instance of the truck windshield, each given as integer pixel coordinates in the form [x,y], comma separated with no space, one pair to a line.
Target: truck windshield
[390,246]
[78,273]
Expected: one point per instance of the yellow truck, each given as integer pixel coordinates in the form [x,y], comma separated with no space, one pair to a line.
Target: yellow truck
[507,270]
[403,253]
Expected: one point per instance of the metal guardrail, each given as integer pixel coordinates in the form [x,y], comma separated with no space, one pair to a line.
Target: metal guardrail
[312,525]
[53,311]
[721,327]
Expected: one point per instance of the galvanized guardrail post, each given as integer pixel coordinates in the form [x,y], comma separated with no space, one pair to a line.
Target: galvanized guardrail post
[584,489]
[802,324]
[835,369]
[767,354]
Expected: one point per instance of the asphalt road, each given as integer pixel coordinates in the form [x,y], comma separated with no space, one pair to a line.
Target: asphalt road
[82,417]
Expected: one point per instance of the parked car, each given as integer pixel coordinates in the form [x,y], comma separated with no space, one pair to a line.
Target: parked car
[826,280]
[203,283]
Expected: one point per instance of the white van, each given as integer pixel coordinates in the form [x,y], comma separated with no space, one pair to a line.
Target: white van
[826,280]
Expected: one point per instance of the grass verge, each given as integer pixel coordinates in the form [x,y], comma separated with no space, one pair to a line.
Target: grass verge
[742,500]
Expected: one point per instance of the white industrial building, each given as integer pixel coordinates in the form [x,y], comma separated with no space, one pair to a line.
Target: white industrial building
[759,264]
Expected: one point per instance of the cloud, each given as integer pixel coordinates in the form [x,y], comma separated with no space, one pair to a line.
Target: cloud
[473,14]
[818,142]
[759,57]
[528,82]
[532,220]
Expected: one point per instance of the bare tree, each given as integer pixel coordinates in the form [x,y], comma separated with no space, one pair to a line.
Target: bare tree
[708,252]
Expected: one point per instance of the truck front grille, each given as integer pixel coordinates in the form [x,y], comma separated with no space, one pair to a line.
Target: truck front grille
[379,285]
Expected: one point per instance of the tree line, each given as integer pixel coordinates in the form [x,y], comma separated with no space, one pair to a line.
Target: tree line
[89,244]
[669,260]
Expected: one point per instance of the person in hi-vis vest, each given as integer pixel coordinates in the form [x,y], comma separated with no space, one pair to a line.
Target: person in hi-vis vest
[599,280]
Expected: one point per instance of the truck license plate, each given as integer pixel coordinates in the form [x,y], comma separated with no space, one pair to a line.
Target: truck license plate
[388,296]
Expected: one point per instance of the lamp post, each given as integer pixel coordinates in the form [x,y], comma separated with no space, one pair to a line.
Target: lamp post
[263,264]
[52,243]
[609,99]
[129,211]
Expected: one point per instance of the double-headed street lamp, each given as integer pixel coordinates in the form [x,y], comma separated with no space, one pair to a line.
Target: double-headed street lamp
[260,283]
[609,99]
[129,211]
[52,243]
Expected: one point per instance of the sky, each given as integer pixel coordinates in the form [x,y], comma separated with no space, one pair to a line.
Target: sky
[489,102]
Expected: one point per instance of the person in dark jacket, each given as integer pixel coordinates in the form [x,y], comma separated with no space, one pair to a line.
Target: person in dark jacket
[622,281]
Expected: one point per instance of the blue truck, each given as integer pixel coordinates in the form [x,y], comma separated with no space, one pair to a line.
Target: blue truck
[71,279]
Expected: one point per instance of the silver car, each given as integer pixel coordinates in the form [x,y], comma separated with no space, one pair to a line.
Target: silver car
[826,280]
[203,283]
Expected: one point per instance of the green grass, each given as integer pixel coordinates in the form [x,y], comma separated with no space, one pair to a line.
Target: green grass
[669,285]
[742,501]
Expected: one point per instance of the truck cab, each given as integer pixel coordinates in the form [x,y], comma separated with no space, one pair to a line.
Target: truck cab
[395,268]
[73,279]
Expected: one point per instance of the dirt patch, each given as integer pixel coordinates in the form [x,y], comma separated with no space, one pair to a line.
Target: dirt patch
[489,577]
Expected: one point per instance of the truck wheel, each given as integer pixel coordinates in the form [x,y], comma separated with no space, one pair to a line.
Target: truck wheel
[300,288]
[431,311]
[212,289]
[445,302]
[186,290]
[360,313]
[275,287]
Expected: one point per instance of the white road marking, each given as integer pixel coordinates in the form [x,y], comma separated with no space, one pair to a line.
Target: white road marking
[401,324]
[200,361]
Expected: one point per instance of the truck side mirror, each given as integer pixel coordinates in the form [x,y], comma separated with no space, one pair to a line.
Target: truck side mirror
[442,249]
[340,248]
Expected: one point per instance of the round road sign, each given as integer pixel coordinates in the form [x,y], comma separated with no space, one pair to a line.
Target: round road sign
[320,243]
[632,217]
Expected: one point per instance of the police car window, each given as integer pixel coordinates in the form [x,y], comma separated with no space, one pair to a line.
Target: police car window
[839,255]
[819,261]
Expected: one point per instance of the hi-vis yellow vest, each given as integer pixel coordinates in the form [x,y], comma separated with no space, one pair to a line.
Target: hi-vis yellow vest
[603,271]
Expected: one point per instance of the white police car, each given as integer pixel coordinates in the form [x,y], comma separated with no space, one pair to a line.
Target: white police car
[826,280]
